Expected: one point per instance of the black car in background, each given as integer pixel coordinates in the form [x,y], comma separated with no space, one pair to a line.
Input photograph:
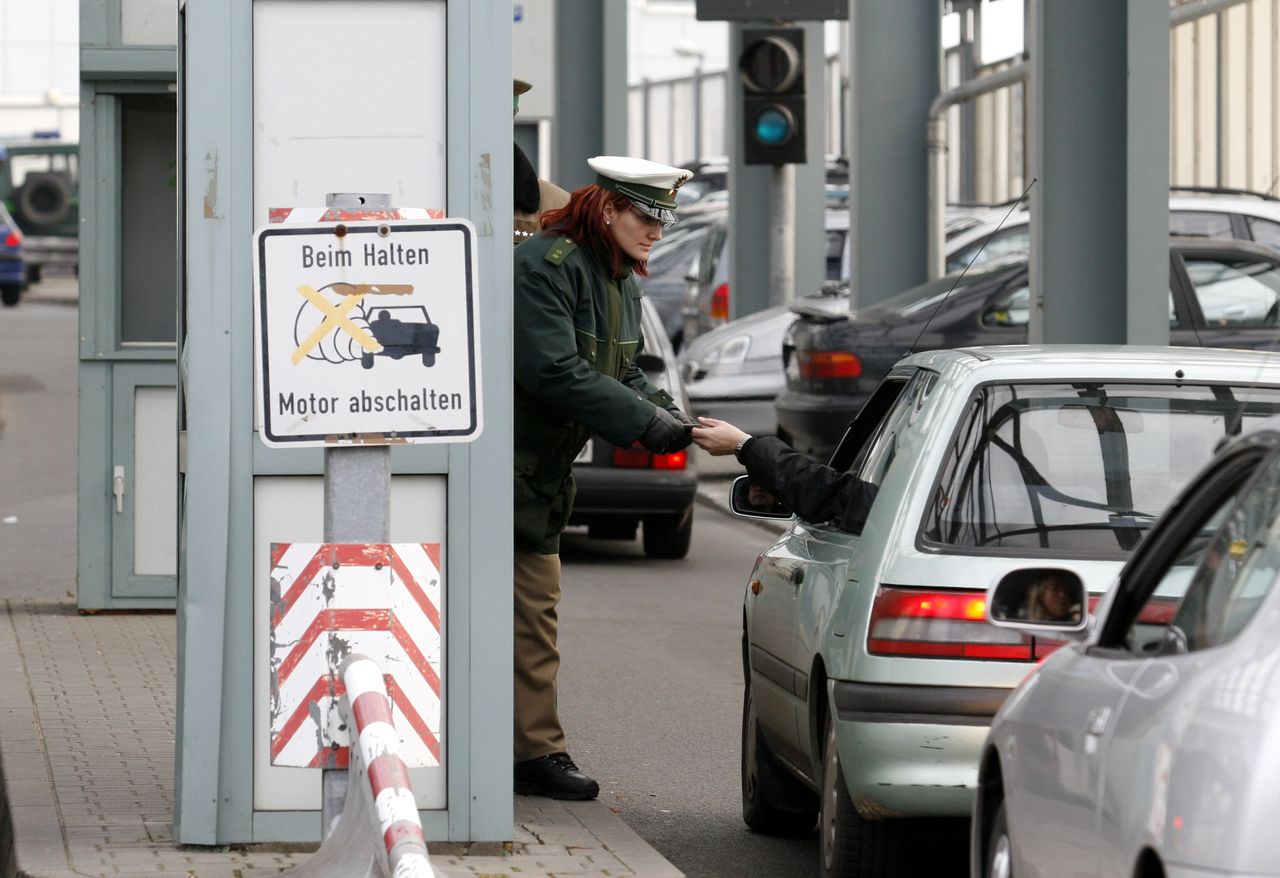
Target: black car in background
[673,259]
[1222,293]
[621,488]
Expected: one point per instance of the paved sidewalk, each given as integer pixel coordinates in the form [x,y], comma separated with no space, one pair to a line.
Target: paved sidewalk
[87,746]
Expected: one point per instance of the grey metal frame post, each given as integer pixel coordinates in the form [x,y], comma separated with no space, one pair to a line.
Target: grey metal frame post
[1100,151]
[357,509]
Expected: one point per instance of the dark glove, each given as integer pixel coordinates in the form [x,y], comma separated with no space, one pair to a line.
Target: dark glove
[682,417]
[665,433]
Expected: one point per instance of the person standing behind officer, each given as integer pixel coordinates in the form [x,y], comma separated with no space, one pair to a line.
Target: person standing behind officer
[533,195]
[577,333]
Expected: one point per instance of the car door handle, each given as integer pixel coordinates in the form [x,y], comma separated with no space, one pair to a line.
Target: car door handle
[795,575]
[1096,724]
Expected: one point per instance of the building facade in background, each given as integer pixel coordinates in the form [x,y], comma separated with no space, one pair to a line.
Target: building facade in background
[39,67]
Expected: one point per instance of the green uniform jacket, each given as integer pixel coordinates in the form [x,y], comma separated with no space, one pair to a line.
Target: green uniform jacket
[577,332]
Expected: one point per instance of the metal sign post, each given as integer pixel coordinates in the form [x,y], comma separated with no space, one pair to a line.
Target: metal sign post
[357,509]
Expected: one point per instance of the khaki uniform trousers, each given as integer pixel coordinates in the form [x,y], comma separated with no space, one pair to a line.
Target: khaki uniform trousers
[537,658]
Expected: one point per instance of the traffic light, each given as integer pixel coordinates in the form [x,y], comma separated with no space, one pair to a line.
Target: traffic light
[772,69]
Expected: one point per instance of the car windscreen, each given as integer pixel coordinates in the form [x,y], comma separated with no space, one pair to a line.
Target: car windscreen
[1078,469]
[674,257]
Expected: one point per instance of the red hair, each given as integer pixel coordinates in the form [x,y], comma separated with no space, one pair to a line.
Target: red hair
[582,220]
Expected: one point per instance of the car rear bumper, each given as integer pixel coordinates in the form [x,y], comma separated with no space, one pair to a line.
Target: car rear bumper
[636,492]
[816,422]
[912,751]
[12,269]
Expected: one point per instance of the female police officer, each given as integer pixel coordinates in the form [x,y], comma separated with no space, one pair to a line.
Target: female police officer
[577,332]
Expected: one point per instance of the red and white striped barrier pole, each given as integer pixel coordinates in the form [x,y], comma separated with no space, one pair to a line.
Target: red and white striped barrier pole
[373,734]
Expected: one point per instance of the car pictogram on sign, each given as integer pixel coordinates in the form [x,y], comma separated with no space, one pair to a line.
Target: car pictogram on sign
[403,337]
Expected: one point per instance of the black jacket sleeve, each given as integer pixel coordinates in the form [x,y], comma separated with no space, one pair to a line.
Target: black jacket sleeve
[813,491]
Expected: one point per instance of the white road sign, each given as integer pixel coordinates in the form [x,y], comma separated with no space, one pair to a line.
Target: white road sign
[367,332]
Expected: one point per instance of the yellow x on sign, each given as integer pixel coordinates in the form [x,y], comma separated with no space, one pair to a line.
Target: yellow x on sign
[335,318]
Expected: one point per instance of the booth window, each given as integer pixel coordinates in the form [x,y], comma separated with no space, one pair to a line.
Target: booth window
[148,219]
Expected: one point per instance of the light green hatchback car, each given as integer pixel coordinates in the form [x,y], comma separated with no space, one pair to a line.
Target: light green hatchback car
[872,673]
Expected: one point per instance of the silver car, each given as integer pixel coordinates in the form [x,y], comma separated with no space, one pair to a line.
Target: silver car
[872,672]
[734,372]
[1194,212]
[1151,746]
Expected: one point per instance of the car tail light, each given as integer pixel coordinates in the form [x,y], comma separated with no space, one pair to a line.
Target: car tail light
[634,457]
[720,304]
[637,457]
[13,239]
[820,365]
[678,460]
[940,624]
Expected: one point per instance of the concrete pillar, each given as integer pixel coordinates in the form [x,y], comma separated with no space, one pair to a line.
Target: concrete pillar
[1100,154]
[894,76]
[591,88]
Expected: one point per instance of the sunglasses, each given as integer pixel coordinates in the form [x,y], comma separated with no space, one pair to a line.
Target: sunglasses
[651,222]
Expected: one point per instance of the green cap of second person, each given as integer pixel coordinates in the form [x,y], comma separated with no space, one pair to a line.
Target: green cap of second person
[648,184]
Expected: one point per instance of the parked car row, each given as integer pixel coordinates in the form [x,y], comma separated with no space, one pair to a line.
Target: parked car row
[1010,485]
[621,488]
[13,272]
[1222,293]
[736,370]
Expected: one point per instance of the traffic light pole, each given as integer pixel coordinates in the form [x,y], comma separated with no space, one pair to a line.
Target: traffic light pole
[782,235]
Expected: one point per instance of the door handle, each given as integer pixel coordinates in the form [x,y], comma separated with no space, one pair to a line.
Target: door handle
[1096,724]
[117,487]
[795,575]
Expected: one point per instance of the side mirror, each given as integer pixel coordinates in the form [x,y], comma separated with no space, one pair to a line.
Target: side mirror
[1039,599]
[750,500]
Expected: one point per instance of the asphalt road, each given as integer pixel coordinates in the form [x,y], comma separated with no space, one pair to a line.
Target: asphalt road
[38,392]
[651,698]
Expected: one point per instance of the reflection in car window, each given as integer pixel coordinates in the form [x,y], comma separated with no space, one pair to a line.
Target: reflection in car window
[1151,626]
[882,449]
[1200,224]
[1235,573]
[1010,308]
[1236,292]
[1265,231]
[1084,468]
[1015,240]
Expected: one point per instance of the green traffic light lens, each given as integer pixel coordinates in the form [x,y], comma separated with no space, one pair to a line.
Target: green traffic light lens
[774,126]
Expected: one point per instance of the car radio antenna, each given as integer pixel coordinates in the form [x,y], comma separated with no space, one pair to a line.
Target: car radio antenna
[1012,207]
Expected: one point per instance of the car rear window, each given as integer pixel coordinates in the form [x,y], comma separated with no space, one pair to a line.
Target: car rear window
[1078,469]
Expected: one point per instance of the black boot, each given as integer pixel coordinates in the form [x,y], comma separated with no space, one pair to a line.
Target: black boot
[554,776]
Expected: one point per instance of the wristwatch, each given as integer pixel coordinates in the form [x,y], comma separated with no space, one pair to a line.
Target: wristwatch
[742,443]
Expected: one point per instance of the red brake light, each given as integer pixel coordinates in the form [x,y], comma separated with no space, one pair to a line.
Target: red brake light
[940,624]
[13,239]
[817,365]
[637,457]
[678,460]
[720,302]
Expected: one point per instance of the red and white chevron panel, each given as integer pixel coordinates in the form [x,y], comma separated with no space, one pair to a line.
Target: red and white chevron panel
[332,600]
